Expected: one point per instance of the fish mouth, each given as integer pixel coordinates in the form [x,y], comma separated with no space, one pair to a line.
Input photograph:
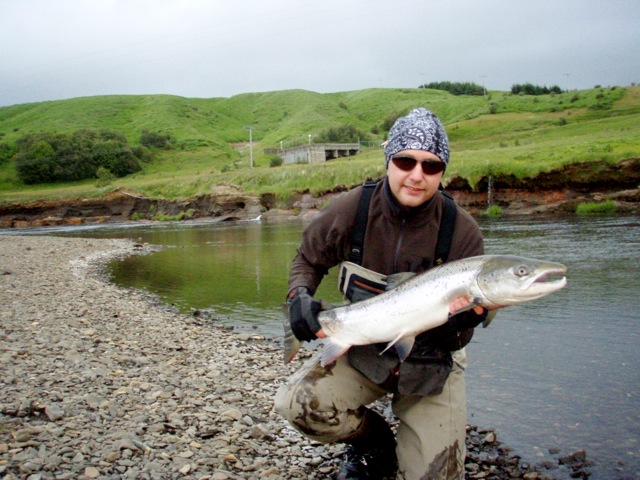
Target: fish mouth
[550,278]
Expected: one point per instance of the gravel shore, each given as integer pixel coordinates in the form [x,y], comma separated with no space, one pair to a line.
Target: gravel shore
[103,382]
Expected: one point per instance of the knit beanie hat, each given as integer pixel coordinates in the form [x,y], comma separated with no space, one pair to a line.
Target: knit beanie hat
[420,130]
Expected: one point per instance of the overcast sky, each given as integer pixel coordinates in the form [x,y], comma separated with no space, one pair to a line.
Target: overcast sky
[57,49]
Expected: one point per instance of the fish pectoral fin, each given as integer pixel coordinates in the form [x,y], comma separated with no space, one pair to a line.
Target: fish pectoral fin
[291,343]
[490,316]
[403,345]
[472,304]
[397,279]
[331,350]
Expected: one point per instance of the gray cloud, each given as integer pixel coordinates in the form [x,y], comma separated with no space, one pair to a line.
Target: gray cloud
[213,48]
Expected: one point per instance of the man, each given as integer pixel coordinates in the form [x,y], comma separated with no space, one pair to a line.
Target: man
[330,404]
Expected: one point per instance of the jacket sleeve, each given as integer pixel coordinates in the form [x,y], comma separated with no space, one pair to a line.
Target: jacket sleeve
[325,242]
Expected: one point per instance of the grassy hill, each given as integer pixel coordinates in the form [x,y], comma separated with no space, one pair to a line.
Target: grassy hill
[499,133]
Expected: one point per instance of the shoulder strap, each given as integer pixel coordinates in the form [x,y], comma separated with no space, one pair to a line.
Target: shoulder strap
[445,234]
[360,222]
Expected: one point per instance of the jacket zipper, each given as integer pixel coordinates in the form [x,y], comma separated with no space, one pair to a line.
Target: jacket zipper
[396,260]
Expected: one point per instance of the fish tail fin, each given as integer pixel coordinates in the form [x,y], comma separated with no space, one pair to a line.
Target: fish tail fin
[291,343]
[331,350]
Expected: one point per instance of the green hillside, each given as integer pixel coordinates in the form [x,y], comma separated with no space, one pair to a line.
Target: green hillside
[501,133]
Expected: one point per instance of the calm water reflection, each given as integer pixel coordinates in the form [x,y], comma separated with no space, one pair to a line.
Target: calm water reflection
[562,372]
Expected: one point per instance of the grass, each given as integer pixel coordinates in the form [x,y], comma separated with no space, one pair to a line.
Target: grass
[526,136]
[494,211]
[607,207]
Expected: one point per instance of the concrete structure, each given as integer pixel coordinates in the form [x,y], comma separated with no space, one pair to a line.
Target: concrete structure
[316,152]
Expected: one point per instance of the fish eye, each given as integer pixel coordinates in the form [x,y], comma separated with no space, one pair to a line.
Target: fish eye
[521,271]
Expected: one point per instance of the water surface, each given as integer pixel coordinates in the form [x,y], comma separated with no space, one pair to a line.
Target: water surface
[560,373]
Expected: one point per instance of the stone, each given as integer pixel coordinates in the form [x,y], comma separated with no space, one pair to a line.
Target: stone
[91,472]
[54,412]
[108,382]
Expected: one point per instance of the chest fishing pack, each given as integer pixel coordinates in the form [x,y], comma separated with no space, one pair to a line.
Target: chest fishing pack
[358,283]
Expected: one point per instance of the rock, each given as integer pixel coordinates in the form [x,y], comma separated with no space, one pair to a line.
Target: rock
[91,472]
[54,412]
[108,383]
[575,458]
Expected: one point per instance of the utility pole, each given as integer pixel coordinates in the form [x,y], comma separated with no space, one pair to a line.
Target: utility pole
[250,145]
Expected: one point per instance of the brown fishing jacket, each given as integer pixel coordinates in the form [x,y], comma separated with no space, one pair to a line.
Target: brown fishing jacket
[396,240]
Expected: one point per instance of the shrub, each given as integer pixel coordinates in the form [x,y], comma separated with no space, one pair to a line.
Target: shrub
[493,211]
[6,152]
[104,176]
[276,161]
[56,157]
[155,139]
[530,89]
[456,88]
[597,208]
[341,134]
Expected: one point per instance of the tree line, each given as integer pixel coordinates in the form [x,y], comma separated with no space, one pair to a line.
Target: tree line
[48,157]
[530,89]
[470,88]
[456,88]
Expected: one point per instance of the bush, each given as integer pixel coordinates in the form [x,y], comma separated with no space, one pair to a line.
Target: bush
[105,177]
[456,88]
[142,153]
[594,208]
[57,157]
[6,152]
[155,139]
[493,211]
[530,89]
[341,134]
[275,161]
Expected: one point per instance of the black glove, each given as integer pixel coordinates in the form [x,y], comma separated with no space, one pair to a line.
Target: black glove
[303,314]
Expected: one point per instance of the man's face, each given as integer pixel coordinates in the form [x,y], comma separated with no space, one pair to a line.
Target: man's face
[413,187]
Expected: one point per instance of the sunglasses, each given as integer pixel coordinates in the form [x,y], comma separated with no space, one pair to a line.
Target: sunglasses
[429,167]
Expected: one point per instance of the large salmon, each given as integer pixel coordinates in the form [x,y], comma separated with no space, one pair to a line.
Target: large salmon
[420,303]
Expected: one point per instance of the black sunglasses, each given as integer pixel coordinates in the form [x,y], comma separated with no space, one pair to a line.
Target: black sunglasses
[429,167]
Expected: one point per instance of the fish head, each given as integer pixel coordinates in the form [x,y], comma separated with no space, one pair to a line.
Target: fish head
[505,280]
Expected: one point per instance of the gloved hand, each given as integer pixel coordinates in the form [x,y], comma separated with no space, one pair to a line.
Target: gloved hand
[303,314]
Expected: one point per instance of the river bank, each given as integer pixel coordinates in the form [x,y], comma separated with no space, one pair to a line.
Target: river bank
[557,192]
[104,382]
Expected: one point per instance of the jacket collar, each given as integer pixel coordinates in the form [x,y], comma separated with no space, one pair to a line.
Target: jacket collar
[415,215]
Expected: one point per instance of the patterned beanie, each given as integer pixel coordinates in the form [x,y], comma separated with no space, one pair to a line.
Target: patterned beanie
[420,130]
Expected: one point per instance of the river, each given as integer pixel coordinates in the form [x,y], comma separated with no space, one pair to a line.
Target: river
[551,376]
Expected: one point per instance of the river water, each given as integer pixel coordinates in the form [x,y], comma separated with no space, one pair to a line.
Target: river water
[551,376]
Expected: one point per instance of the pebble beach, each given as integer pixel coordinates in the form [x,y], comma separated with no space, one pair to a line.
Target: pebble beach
[101,382]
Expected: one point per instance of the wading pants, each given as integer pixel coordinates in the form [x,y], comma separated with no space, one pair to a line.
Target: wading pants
[323,403]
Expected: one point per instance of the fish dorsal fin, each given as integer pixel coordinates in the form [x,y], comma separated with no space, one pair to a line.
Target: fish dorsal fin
[402,344]
[397,279]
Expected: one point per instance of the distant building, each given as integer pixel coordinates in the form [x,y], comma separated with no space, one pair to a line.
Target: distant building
[315,152]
